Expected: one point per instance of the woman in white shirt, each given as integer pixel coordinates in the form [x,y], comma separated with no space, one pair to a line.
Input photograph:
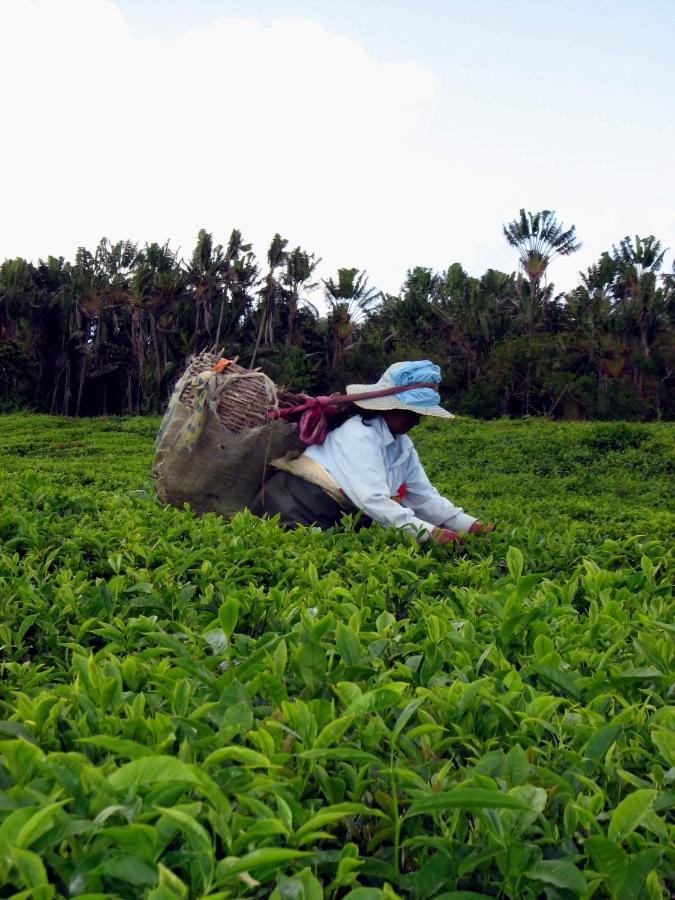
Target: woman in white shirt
[370,464]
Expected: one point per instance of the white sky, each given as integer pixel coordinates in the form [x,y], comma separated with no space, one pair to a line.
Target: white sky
[375,134]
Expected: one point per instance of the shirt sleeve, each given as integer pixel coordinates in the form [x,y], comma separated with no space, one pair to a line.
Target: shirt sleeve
[358,466]
[428,503]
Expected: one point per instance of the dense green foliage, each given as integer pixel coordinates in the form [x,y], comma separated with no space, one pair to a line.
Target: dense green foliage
[110,332]
[192,707]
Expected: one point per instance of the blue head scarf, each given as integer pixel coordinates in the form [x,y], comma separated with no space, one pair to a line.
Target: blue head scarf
[410,372]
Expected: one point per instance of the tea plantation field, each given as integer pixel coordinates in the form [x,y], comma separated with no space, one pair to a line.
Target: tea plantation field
[199,708]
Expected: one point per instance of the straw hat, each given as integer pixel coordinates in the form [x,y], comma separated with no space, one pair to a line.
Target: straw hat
[424,401]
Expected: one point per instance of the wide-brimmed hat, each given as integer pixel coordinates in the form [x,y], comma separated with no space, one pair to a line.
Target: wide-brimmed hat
[422,400]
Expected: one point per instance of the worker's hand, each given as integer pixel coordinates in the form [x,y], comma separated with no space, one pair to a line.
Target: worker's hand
[446,536]
[479,527]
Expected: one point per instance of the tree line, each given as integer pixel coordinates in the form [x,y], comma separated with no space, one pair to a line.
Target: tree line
[110,332]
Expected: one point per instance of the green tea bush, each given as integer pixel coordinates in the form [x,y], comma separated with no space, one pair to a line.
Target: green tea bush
[200,708]
[615,436]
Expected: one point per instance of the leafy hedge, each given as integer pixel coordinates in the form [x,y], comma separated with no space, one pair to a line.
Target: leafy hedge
[200,708]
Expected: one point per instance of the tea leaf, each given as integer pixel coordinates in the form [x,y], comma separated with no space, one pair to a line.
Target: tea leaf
[268,856]
[381,698]
[39,823]
[129,868]
[515,562]
[332,732]
[228,614]
[120,746]
[629,813]
[311,664]
[602,740]
[465,798]
[216,638]
[238,754]
[559,873]
[151,769]
[348,644]
[30,867]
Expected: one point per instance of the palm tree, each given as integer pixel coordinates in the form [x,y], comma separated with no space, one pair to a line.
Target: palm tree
[642,303]
[111,364]
[16,286]
[668,337]
[499,301]
[46,331]
[408,317]
[590,308]
[158,288]
[17,290]
[240,275]
[456,304]
[89,285]
[349,299]
[300,267]
[477,312]
[636,266]
[590,321]
[270,294]
[539,238]
[206,283]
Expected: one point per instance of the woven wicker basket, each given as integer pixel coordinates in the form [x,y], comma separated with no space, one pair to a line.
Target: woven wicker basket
[218,462]
[244,403]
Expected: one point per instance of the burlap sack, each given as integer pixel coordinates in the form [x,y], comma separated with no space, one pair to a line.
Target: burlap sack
[201,462]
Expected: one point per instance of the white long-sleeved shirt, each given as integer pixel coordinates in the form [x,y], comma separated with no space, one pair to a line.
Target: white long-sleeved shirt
[371,465]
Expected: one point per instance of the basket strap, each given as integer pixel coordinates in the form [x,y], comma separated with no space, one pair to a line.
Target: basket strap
[316,411]
[384,392]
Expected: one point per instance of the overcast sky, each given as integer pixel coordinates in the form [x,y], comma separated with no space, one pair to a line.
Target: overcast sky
[381,134]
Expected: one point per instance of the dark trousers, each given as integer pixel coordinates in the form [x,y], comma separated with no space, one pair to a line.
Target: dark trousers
[299,502]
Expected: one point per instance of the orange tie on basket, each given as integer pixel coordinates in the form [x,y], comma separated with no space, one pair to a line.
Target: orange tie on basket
[221,364]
